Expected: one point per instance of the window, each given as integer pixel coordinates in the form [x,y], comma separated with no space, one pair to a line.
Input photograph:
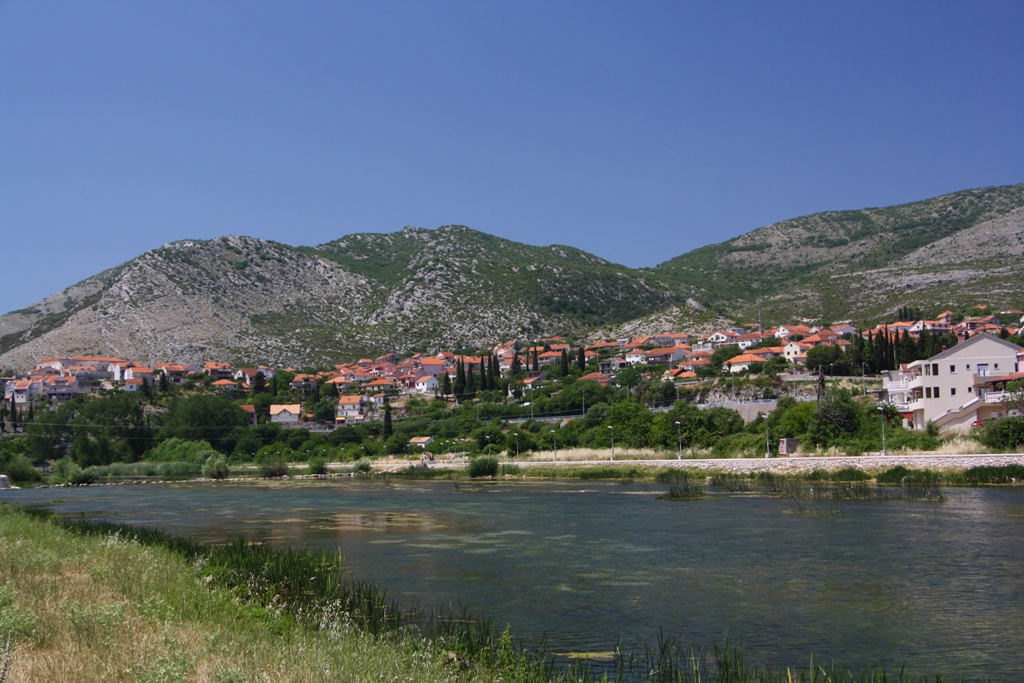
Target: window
[970,390]
[927,392]
[952,392]
[935,369]
[968,366]
[952,369]
[997,366]
[928,370]
[935,392]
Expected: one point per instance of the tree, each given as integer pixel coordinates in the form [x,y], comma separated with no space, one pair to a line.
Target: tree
[325,410]
[388,429]
[725,353]
[581,359]
[832,358]
[459,388]
[259,383]
[516,367]
[48,437]
[536,361]
[446,384]
[164,384]
[206,417]
[565,363]
[111,428]
[836,416]
[1013,397]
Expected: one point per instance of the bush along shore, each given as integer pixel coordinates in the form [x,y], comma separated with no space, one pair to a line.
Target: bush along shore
[85,601]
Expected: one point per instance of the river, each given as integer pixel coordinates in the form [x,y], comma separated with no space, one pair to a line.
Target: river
[936,585]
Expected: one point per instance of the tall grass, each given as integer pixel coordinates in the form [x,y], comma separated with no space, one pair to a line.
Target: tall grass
[310,587]
[148,469]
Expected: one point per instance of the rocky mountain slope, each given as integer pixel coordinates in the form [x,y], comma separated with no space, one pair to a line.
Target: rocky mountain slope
[248,300]
[957,249]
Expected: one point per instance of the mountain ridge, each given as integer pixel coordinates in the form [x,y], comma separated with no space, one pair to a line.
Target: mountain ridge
[246,299]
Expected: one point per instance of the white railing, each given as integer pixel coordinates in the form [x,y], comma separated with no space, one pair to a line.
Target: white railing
[994,396]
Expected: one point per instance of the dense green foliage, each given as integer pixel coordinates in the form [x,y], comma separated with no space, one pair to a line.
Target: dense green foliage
[483,466]
[1004,435]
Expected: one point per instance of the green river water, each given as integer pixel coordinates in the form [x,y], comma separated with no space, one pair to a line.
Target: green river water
[938,586]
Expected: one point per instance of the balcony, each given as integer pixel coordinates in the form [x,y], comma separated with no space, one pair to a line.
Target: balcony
[897,385]
[994,396]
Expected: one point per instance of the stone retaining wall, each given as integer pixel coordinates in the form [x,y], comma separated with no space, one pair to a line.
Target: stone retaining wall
[867,462]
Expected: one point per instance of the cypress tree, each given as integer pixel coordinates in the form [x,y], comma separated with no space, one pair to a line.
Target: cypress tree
[31,405]
[923,344]
[470,380]
[388,430]
[484,380]
[581,359]
[164,384]
[516,367]
[446,384]
[459,388]
[906,350]
[565,363]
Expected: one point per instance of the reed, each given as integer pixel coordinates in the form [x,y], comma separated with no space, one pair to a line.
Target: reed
[148,469]
[483,466]
[683,492]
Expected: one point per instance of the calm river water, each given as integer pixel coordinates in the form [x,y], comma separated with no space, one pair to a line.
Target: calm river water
[939,586]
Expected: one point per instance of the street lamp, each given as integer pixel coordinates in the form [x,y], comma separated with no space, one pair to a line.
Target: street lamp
[863,380]
[554,443]
[584,403]
[517,443]
[488,445]
[882,409]
[679,426]
[612,432]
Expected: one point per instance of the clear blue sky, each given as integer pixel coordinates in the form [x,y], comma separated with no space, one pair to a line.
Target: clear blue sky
[634,130]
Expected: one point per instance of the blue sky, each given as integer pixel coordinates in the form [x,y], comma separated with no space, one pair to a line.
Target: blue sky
[634,130]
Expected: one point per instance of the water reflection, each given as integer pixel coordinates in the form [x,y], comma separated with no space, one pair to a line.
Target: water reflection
[938,585]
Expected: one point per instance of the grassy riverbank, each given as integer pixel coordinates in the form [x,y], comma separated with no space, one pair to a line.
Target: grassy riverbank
[91,602]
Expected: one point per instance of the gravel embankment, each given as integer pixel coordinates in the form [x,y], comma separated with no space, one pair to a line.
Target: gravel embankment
[801,464]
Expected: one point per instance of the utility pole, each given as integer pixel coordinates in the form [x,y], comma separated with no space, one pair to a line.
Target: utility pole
[679,427]
[612,431]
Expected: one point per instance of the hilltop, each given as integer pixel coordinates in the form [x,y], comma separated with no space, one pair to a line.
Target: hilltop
[241,298]
[258,301]
[954,250]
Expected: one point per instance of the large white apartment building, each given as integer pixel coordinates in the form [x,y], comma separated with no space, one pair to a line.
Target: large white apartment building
[954,388]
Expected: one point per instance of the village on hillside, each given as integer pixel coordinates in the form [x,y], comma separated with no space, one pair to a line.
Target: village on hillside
[905,354]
